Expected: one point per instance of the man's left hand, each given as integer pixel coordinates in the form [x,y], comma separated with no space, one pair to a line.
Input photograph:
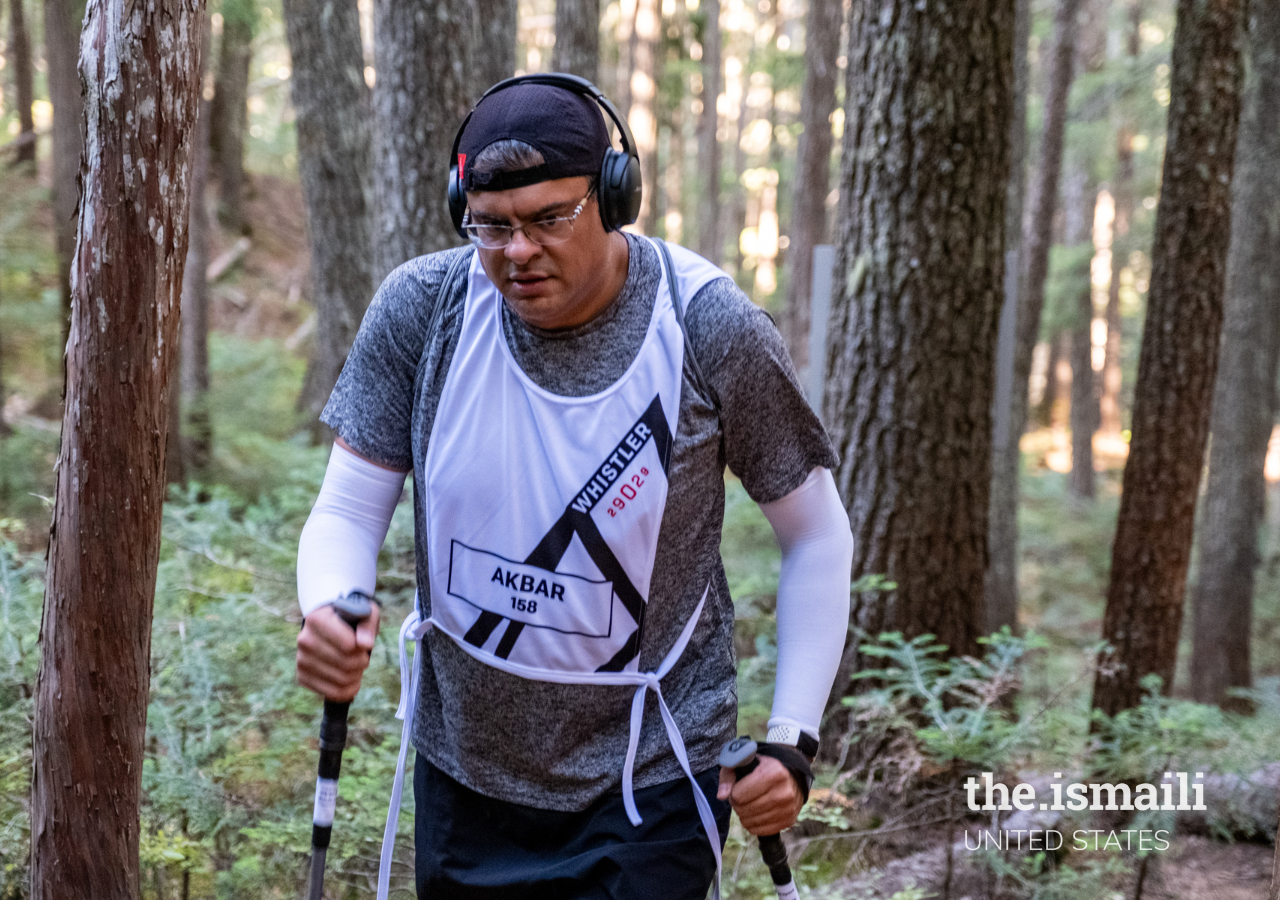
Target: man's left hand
[767,801]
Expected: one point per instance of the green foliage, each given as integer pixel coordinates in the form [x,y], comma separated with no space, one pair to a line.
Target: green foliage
[29,300]
[955,706]
[230,750]
[259,441]
[27,457]
[1068,279]
[1038,878]
[21,589]
[1159,734]
[231,760]
[244,12]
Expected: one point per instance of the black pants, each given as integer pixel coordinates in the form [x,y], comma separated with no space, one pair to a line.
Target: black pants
[474,847]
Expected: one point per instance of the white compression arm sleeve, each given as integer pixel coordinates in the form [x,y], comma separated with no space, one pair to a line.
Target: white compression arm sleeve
[813,601]
[338,550]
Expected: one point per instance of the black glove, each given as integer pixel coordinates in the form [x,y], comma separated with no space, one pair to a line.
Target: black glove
[795,762]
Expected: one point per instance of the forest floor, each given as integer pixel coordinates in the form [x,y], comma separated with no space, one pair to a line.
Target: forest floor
[262,295]
[262,325]
[1193,868]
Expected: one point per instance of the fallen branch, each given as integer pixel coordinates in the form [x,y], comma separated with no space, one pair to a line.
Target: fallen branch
[219,266]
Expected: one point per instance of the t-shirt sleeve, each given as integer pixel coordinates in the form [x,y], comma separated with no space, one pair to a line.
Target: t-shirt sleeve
[772,438]
[371,407]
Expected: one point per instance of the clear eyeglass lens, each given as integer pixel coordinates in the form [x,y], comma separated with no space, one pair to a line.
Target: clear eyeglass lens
[546,232]
[495,237]
[550,231]
[491,237]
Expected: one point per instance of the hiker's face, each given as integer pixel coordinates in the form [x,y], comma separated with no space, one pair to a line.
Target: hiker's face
[554,285]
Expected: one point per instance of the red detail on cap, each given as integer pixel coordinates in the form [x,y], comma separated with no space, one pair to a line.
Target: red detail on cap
[462,165]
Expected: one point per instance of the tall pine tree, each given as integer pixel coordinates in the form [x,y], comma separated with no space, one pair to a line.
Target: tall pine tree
[1244,395]
[919,272]
[1179,355]
[141,69]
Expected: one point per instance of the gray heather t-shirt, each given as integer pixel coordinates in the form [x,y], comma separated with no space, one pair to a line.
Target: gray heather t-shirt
[558,746]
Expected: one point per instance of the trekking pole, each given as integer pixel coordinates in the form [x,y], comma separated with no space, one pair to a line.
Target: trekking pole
[740,755]
[354,608]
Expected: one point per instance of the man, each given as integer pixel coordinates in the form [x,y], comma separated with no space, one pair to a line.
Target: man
[567,397]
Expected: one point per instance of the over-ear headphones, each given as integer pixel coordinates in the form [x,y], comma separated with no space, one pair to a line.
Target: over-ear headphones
[618,189]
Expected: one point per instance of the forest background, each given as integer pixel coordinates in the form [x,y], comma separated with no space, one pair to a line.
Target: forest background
[297,212]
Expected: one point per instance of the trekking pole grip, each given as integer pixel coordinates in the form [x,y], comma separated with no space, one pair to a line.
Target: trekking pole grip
[740,755]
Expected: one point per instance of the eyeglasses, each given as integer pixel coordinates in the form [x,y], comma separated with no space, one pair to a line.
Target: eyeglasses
[544,232]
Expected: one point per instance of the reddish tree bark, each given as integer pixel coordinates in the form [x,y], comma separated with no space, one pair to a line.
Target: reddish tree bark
[1179,355]
[140,68]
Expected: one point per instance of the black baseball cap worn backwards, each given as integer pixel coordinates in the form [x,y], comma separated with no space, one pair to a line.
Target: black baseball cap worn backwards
[556,114]
[567,128]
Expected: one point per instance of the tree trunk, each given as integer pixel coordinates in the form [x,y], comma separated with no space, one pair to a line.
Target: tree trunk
[808,226]
[908,397]
[231,110]
[423,56]
[61,51]
[1001,587]
[626,37]
[673,183]
[1046,412]
[1084,401]
[334,152]
[1082,484]
[197,443]
[738,199]
[141,70]
[5,429]
[577,48]
[1042,200]
[642,117]
[495,51]
[1126,203]
[23,87]
[1179,355]
[1244,395]
[175,470]
[710,238]
[1273,892]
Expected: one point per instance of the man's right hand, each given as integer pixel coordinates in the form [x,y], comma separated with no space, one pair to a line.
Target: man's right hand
[331,656]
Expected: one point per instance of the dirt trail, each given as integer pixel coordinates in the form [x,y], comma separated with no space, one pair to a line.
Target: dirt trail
[1196,868]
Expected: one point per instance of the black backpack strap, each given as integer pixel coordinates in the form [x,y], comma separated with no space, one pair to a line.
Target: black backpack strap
[700,381]
[453,278]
